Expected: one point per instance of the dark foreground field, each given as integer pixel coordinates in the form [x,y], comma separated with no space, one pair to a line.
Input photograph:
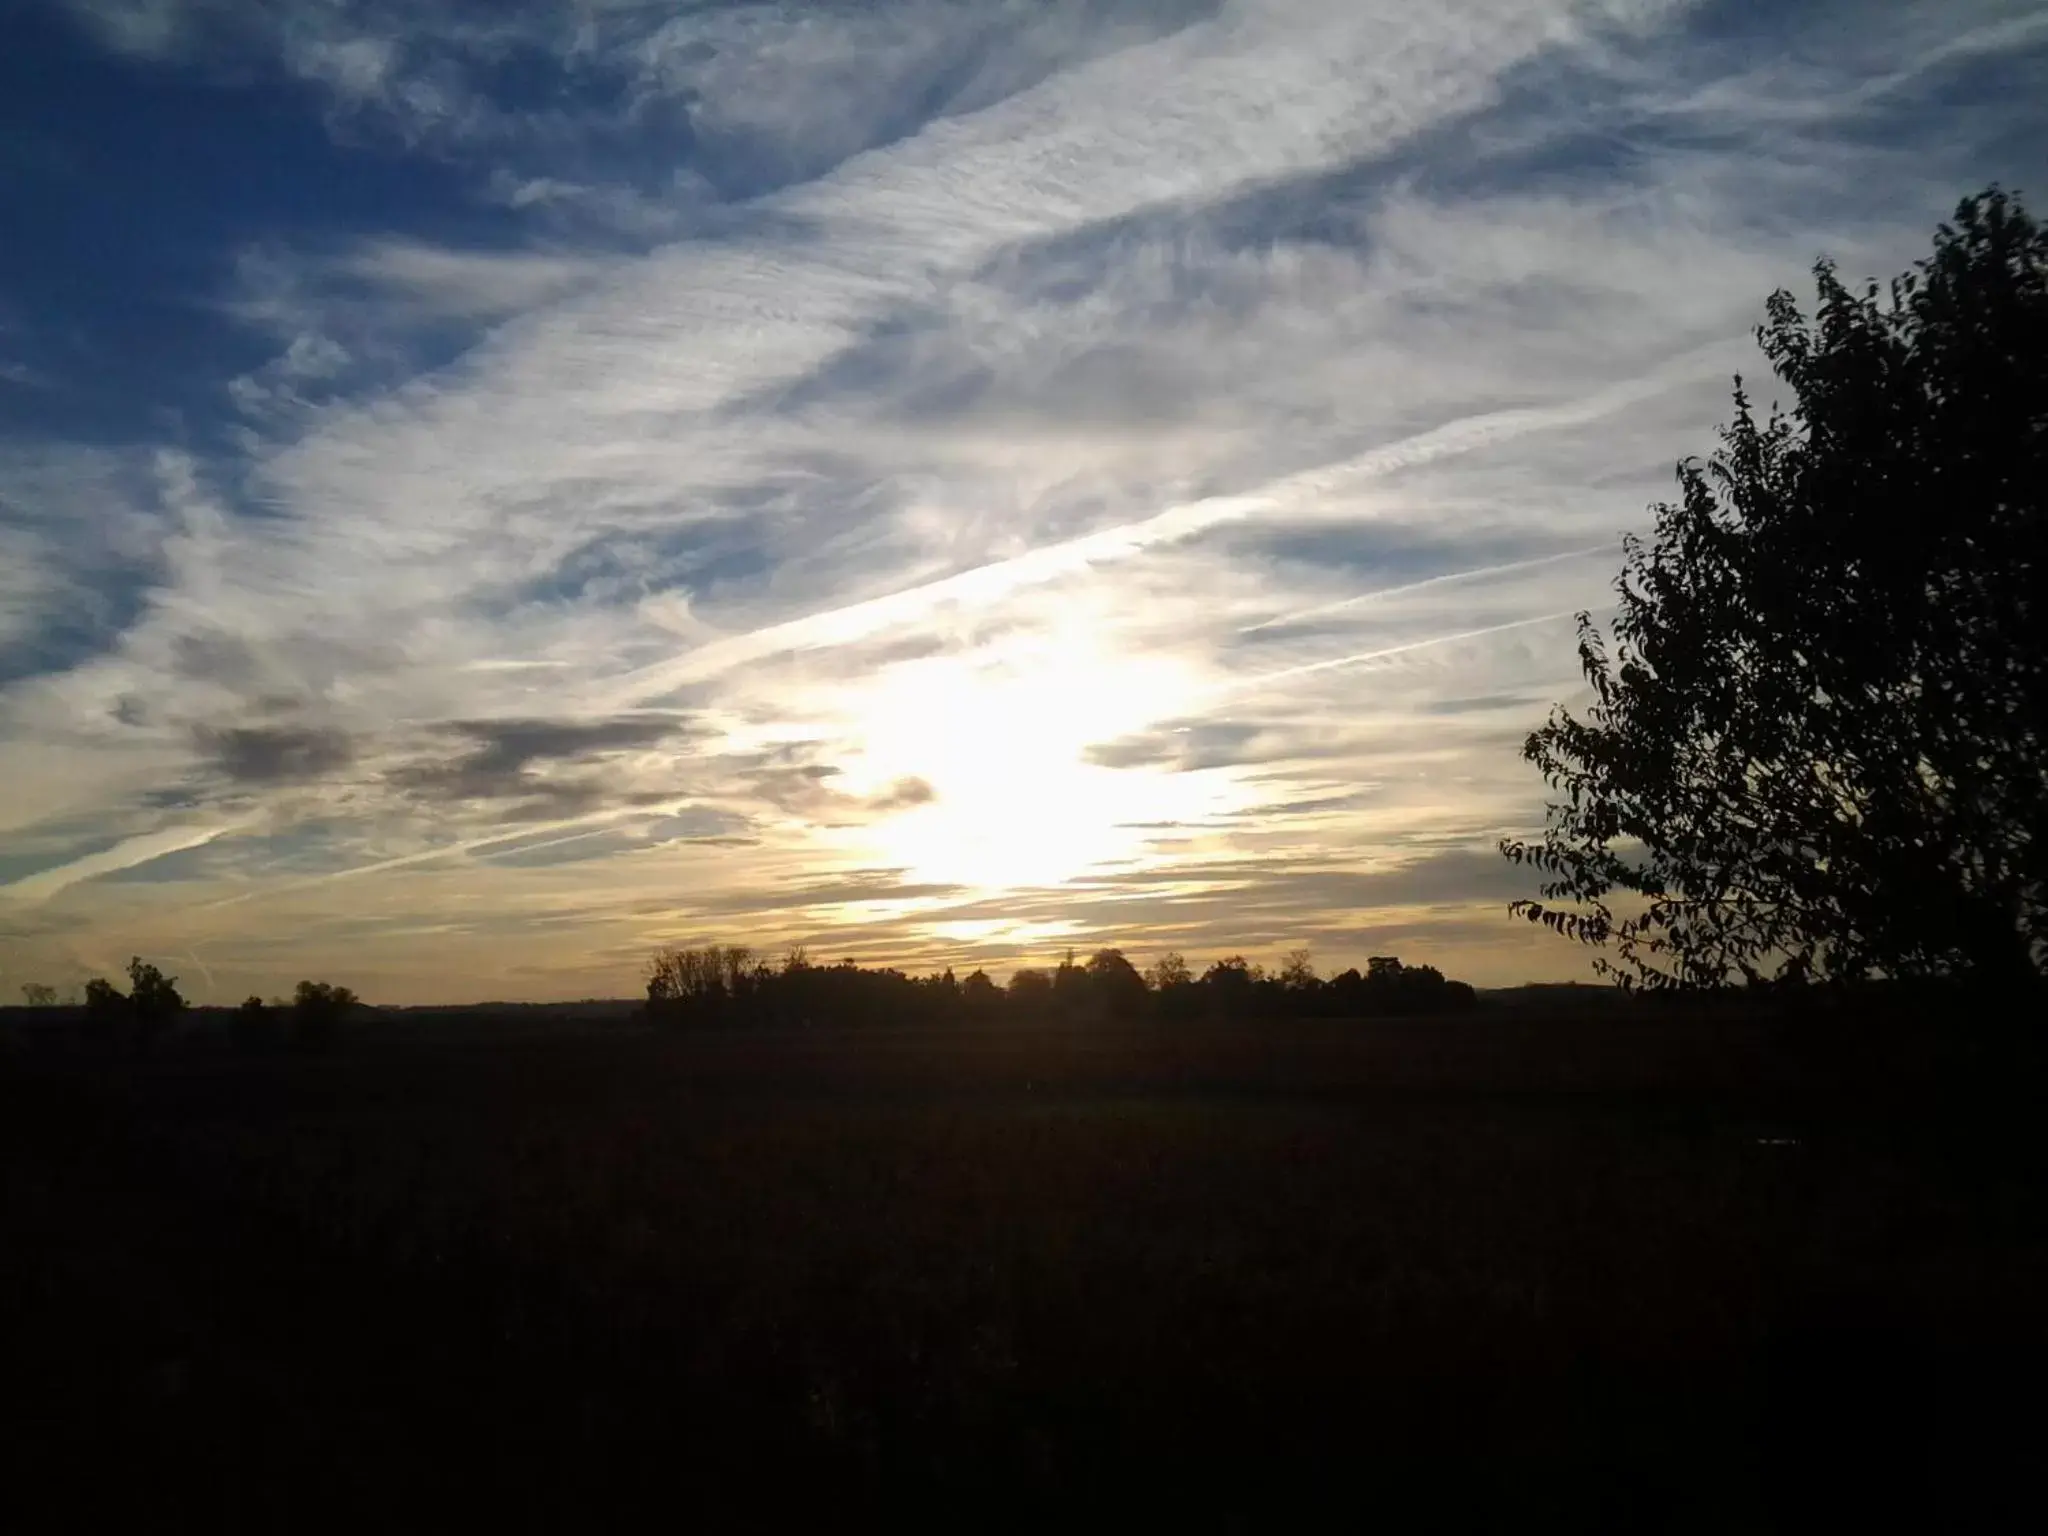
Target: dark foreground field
[1497,1271]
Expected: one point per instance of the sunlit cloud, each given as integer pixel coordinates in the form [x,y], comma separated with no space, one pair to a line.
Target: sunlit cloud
[938,482]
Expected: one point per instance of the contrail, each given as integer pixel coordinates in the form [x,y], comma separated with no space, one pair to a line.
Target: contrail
[126,854]
[1449,578]
[193,956]
[428,855]
[1359,657]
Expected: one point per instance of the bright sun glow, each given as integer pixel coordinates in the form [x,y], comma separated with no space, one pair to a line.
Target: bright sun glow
[1002,737]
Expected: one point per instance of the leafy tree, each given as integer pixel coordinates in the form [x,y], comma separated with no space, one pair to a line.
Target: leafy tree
[1169,970]
[702,983]
[317,1011]
[1227,985]
[1030,987]
[1233,972]
[942,992]
[107,1014]
[153,999]
[1069,985]
[1117,987]
[255,1024]
[1297,970]
[978,993]
[36,994]
[1817,748]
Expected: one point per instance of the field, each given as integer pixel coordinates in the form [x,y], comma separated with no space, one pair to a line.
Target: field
[1705,1273]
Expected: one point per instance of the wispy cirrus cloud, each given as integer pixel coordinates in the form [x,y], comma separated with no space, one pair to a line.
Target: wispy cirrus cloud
[1002,475]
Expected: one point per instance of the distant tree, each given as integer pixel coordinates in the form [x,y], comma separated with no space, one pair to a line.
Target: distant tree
[107,1015]
[1070,990]
[255,1025]
[1297,971]
[735,963]
[1030,988]
[978,994]
[702,984]
[153,999]
[1169,970]
[141,1013]
[944,990]
[1233,971]
[724,983]
[1227,986]
[36,995]
[1344,993]
[317,1011]
[1115,985]
[1817,747]
[670,973]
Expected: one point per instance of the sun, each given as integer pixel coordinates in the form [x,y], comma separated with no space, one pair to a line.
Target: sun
[1002,738]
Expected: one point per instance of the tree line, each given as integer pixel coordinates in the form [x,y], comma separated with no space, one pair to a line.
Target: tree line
[728,984]
[153,1004]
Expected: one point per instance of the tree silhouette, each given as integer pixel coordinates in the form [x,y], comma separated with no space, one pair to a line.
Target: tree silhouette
[142,1013]
[979,994]
[1817,748]
[153,1000]
[1297,970]
[1119,991]
[714,985]
[36,994]
[1030,987]
[255,1024]
[1169,970]
[318,1007]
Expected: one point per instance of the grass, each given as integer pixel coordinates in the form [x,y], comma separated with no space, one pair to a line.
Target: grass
[1563,1272]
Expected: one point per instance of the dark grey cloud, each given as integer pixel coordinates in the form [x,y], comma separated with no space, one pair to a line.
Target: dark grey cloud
[805,789]
[850,887]
[1445,877]
[797,789]
[506,746]
[1481,704]
[213,657]
[1184,747]
[286,754]
[903,795]
[503,754]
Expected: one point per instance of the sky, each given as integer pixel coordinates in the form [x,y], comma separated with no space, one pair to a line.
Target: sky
[491,489]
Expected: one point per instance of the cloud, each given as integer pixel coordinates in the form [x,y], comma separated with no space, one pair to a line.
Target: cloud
[904,794]
[436,281]
[276,754]
[586,111]
[375,309]
[501,760]
[76,540]
[1185,748]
